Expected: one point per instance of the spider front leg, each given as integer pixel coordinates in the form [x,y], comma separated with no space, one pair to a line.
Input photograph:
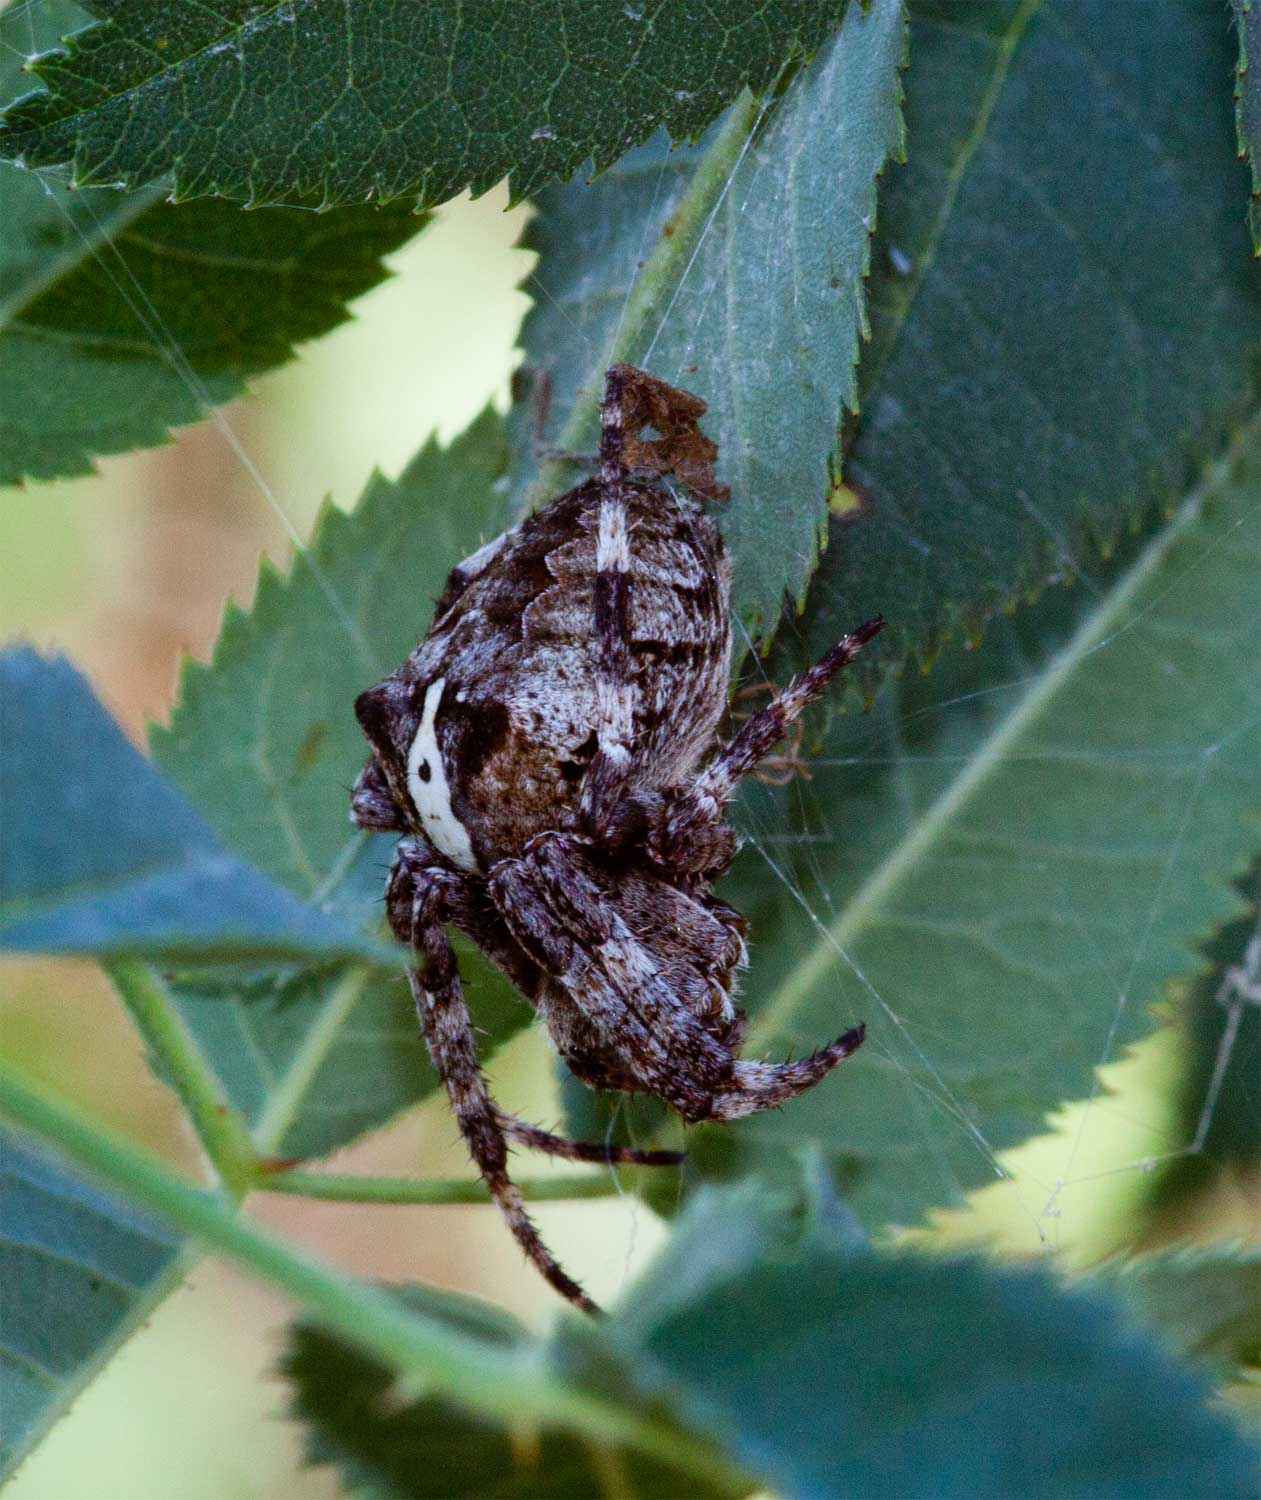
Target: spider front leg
[759,736]
[681,828]
[419,901]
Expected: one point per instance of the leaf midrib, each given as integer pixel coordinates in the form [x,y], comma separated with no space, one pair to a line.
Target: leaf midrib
[286,1100]
[1005,50]
[832,939]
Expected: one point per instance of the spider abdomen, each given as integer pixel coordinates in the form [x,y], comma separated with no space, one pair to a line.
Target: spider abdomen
[488,727]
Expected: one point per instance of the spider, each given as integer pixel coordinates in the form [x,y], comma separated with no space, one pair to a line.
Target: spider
[540,752]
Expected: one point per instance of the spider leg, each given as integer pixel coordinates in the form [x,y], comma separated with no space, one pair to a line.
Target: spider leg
[559,913]
[630,999]
[764,1085]
[768,726]
[593,1151]
[371,805]
[469,909]
[448,1033]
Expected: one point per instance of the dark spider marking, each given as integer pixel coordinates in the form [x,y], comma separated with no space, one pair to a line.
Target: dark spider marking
[541,753]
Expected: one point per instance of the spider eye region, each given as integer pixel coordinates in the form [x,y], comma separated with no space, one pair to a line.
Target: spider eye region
[429,789]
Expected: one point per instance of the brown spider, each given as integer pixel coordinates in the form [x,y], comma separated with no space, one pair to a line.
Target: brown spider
[540,753]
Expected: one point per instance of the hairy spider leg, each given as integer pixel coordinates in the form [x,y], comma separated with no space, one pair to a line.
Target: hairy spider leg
[682,828]
[465,904]
[605,779]
[448,1033]
[759,736]
[558,911]
[559,914]
[592,1151]
[765,1085]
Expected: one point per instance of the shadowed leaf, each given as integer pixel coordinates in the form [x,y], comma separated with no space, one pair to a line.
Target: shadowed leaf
[836,1372]
[389,1447]
[1041,369]
[122,315]
[1205,1301]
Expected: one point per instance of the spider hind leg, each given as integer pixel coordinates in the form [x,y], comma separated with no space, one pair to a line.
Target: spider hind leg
[765,1085]
[448,1032]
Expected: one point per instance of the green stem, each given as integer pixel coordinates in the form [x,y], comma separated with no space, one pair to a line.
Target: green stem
[350,1188]
[510,1385]
[662,272]
[219,1126]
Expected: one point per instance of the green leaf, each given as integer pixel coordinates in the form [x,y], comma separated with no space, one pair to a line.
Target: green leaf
[123,315]
[388,1447]
[751,294]
[1218,1109]
[264,742]
[1205,1301]
[80,1270]
[103,856]
[833,1372]
[1248,105]
[1000,867]
[432,1341]
[1043,366]
[387,100]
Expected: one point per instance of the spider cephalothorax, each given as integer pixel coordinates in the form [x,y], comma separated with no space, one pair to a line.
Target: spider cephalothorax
[540,752]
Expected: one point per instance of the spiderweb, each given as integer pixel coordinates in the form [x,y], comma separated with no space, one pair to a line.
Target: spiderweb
[1049,1194]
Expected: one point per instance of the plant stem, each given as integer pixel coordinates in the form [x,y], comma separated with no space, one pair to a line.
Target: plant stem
[350,1188]
[219,1126]
[509,1385]
[661,274]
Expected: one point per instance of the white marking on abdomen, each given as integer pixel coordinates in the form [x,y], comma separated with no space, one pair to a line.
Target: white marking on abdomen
[476,563]
[431,797]
[612,546]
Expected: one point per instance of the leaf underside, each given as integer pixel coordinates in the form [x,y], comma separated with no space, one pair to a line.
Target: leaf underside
[381,100]
[104,857]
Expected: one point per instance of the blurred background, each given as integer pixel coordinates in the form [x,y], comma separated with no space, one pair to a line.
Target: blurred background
[126,570]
